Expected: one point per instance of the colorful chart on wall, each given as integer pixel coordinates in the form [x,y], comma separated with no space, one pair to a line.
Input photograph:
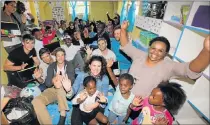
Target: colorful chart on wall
[58,13]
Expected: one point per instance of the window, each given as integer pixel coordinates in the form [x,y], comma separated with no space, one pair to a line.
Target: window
[137,4]
[80,7]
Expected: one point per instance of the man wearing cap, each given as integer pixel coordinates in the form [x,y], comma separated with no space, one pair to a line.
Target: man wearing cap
[72,51]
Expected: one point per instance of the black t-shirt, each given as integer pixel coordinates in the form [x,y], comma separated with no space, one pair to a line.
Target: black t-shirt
[18,57]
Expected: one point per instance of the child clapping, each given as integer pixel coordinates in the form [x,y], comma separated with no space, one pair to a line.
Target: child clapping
[89,101]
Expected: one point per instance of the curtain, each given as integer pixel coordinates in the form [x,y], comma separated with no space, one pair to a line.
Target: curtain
[73,5]
[131,16]
[85,16]
[123,12]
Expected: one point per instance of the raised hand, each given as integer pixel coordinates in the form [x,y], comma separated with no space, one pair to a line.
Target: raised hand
[23,18]
[38,73]
[57,81]
[102,98]
[109,63]
[137,101]
[66,82]
[88,50]
[124,25]
[78,35]
[83,95]
[207,43]
[86,33]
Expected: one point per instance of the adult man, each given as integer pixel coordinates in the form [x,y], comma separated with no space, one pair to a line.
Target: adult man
[41,73]
[72,51]
[60,75]
[38,40]
[103,50]
[122,58]
[19,59]
[101,33]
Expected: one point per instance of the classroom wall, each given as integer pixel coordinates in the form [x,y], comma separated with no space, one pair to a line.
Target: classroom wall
[46,10]
[98,10]
[3,58]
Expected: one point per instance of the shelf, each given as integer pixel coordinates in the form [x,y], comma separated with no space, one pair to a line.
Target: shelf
[197,30]
[174,24]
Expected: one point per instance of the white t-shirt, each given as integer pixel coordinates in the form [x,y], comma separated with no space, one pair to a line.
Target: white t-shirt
[72,50]
[38,45]
[110,54]
[89,100]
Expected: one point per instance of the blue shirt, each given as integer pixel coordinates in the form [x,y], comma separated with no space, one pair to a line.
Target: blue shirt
[122,58]
[102,84]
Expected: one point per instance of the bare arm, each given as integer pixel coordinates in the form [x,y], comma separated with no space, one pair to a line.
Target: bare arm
[9,66]
[200,63]
[127,115]
[36,61]
[112,76]
[124,34]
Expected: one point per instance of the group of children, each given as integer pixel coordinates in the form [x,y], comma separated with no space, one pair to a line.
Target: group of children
[158,108]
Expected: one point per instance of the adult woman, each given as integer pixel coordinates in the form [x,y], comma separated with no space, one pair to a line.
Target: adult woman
[10,42]
[95,67]
[153,68]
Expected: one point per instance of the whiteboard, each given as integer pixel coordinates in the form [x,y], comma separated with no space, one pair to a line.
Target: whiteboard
[199,96]
[172,36]
[190,45]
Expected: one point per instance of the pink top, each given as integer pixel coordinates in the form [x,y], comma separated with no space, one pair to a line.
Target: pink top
[148,114]
[49,38]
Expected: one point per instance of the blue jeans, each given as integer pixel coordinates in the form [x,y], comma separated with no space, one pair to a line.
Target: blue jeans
[112,117]
[42,87]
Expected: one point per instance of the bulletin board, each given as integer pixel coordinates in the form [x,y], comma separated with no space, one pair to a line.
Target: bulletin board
[58,13]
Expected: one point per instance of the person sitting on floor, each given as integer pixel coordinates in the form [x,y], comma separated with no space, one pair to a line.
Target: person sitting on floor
[89,101]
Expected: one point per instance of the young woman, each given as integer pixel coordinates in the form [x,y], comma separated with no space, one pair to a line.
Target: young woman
[95,67]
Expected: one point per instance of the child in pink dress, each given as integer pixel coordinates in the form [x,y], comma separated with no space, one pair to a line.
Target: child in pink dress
[164,102]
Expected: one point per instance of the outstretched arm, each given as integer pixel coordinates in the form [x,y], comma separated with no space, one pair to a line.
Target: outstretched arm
[200,63]
[124,34]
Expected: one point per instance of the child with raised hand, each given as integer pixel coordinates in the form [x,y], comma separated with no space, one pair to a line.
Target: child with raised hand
[89,101]
[164,101]
[121,99]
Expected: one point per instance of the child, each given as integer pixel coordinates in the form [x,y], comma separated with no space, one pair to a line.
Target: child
[164,102]
[89,103]
[122,99]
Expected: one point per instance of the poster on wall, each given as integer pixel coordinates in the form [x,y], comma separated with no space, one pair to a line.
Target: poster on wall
[58,12]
